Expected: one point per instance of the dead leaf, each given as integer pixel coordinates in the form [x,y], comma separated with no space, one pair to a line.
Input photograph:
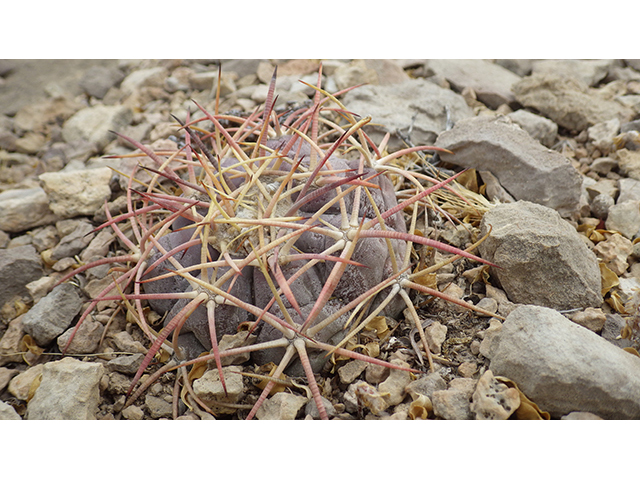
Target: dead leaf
[33,387]
[632,351]
[527,410]
[420,407]
[609,279]
[29,349]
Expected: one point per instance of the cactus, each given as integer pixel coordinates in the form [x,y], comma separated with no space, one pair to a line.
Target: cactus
[286,225]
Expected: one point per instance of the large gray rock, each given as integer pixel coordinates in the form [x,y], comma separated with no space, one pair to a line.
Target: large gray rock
[491,82]
[18,267]
[525,168]
[568,102]
[564,367]
[418,102]
[542,259]
[77,192]
[69,390]
[22,209]
[53,314]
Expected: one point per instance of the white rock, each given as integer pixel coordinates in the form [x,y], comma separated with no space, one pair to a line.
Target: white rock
[209,388]
[564,367]
[77,192]
[625,218]
[69,390]
[94,124]
[22,209]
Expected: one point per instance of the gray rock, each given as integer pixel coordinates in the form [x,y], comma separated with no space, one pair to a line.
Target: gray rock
[602,135]
[509,153]
[282,406]
[564,367]
[589,72]
[416,102]
[127,364]
[99,79]
[542,259]
[613,326]
[603,165]
[146,77]
[158,407]
[7,412]
[521,67]
[18,267]
[22,209]
[242,67]
[491,82]
[567,101]
[629,163]
[52,315]
[311,409]
[69,390]
[455,402]
[209,388]
[94,124]
[540,128]
[625,218]
[629,189]
[86,339]
[73,243]
[600,205]
[388,71]
[581,416]
[80,192]
[355,73]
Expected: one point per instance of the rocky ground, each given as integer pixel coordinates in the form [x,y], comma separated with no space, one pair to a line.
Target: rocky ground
[556,153]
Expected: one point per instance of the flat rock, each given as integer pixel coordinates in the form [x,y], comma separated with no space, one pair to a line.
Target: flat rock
[540,128]
[416,102]
[589,72]
[624,218]
[79,192]
[509,153]
[94,124]
[491,82]
[22,209]
[542,258]
[564,367]
[568,102]
[18,267]
[52,315]
[69,390]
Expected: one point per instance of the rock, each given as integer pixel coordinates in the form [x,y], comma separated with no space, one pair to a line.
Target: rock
[629,189]
[351,370]
[86,339]
[77,192]
[227,342]
[589,72]
[127,364]
[393,388]
[603,165]
[355,73]
[73,243]
[629,163]
[493,400]
[375,374]
[563,367]
[542,258]
[455,402]
[125,343]
[624,218]
[509,153]
[602,135]
[7,412]
[521,67]
[209,388]
[567,101]
[417,102]
[20,385]
[600,206]
[426,385]
[69,390]
[52,315]
[489,336]
[388,71]
[95,124]
[467,369]
[614,253]
[158,407]
[30,143]
[97,81]
[540,128]
[242,67]
[604,185]
[311,409]
[436,334]
[491,82]
[580,416]
[488,304]
[6,374]
[146,77]
[22,209]
[10,342]
[133,412]
[18,267]
[611,331]
[591,318]
[282,406]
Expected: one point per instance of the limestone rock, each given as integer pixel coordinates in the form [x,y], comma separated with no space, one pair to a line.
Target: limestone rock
[53,314]
[563,367]
[491,82]
[69,390]
[614,253]
[77,192]
[417,102]
[542,259]
[509,153]
[94,124]
[209,387]
[22,209]
[455,402]
[282,406]
[567,101]
[493,400]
